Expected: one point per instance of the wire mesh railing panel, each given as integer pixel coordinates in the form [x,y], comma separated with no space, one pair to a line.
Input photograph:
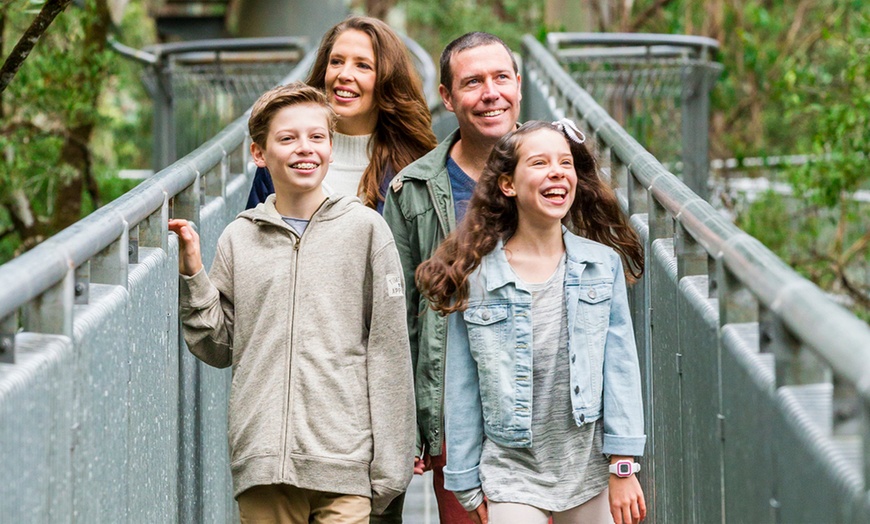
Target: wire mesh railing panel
[644,96]
[208,96]
[655,86]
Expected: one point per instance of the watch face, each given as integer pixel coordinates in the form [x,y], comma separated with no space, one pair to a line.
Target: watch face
[623,469]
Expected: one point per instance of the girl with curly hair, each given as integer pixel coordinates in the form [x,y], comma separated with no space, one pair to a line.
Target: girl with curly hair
[543,399]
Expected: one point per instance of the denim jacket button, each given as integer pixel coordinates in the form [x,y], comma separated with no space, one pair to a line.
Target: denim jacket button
[573,358]
[591,294]
[485,315]
[582,418]
[576,390]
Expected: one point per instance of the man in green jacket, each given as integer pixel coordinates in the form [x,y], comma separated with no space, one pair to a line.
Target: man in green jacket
[480,84]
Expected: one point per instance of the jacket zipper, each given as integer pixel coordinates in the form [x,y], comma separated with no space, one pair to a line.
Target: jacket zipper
[296,244]
[440,433]
[441,219]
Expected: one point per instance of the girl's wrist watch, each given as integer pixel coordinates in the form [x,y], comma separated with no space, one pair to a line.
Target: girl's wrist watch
[624,468]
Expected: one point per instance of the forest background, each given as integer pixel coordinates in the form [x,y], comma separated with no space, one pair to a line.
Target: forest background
[795,81]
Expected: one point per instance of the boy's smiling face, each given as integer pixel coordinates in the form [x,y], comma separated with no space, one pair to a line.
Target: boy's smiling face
[298,151]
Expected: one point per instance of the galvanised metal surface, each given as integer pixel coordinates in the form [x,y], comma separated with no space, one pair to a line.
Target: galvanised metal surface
[640,314]
[36,408]
[101,376]
[741,356]
[747,408]
[667,455]
[152,433]
[213,390]
[698,368]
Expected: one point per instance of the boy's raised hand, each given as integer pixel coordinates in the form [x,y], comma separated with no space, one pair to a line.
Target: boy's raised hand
[189,255]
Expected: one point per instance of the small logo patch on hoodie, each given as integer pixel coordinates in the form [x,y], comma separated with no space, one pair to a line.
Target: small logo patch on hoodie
[394,285]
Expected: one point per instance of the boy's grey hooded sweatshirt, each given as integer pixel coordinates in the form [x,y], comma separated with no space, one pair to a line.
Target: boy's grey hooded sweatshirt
[315,330]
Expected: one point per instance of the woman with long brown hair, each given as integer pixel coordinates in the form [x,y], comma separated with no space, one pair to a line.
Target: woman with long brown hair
[384,122]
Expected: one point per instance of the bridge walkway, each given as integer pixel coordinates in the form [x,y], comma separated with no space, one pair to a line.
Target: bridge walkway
[757,386]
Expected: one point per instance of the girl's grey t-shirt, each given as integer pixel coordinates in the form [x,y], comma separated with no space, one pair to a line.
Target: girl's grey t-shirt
[565,466]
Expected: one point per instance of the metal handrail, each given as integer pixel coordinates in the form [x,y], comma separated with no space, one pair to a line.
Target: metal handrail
[230,44]
[808,313]
[700,44]
[154,54]
[426,68]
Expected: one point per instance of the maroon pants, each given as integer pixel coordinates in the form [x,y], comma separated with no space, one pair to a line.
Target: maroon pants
[450,510]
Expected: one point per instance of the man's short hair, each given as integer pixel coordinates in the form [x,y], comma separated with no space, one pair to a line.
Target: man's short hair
[469,41]
[276,99]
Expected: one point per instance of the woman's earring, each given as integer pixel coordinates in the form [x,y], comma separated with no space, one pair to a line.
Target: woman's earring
[510,192]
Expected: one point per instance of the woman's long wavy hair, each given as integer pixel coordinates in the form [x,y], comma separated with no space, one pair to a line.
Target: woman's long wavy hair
[594,214]
[403,132]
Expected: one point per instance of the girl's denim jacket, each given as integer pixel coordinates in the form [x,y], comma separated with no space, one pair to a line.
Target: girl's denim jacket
[489,359]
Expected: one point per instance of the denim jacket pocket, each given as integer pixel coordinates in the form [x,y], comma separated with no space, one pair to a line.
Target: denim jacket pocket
[593,317]
[595,305]
[489,327]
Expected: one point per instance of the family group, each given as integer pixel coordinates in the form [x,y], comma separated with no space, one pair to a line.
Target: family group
[391,305]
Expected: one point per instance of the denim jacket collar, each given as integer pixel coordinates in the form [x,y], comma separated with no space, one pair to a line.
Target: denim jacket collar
[498,271]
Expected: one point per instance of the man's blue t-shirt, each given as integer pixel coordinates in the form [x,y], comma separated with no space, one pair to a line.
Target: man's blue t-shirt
[462,186]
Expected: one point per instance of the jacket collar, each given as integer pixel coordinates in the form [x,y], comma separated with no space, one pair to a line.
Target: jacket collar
[434,162]
[498,271]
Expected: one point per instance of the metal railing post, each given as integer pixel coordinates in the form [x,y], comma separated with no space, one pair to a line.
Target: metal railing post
[164,119]
[695,95]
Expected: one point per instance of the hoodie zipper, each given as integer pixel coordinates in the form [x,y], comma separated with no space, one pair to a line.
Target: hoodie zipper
[296,245]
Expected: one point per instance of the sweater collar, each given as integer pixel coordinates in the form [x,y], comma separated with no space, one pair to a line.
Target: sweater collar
[350,150]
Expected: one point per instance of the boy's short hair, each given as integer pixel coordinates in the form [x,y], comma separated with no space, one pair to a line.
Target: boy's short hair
[276,99]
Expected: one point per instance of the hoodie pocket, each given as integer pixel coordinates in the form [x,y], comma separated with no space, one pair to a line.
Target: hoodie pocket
[331,416]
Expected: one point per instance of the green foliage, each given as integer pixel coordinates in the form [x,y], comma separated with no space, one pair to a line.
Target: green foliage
[795,81]
[71,89]
[435,23]
[831,89]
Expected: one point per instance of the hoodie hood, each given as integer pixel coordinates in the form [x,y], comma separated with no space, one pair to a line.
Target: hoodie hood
[333,206]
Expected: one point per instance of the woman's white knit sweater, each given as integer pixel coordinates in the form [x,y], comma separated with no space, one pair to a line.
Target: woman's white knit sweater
[350,158]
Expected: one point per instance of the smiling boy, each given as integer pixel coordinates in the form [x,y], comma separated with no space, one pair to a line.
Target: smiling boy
[305,302]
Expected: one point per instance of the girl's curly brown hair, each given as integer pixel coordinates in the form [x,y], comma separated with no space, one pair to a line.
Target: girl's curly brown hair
[594,214]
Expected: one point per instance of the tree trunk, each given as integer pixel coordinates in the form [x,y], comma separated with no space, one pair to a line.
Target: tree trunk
[379,8]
